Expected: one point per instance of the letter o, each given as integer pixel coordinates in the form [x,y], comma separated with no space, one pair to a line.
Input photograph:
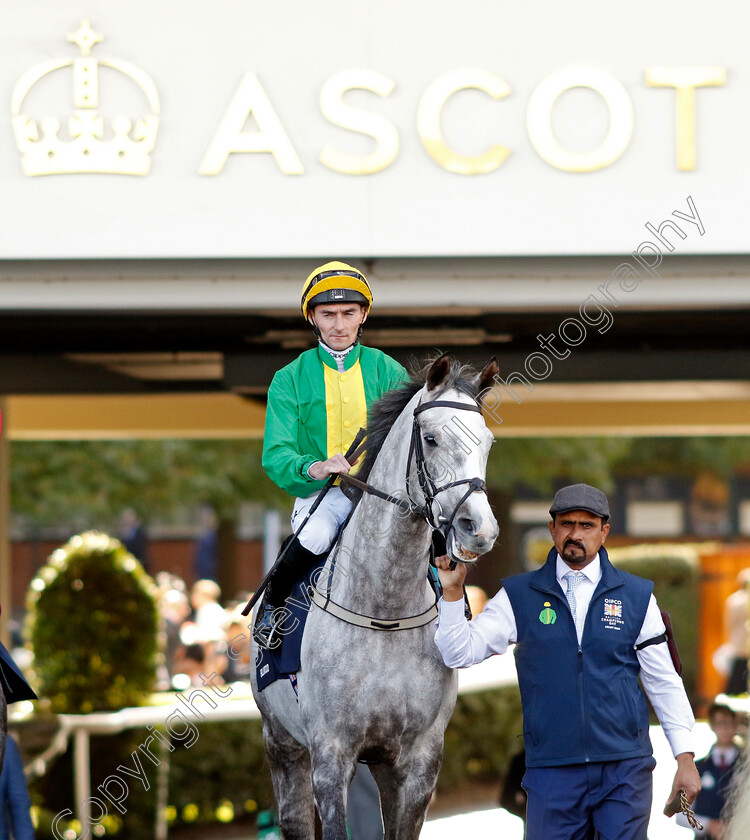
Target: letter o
[571,342]
[547,365]
[539,124]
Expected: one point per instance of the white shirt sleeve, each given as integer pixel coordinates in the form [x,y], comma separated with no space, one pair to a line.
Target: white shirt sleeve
[663,686]
[463,643]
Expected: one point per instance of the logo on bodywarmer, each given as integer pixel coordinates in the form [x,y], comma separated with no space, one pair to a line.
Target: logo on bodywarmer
[547,615]
[612,617]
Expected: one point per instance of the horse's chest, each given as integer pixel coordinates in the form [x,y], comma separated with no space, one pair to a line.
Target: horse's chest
[386,685]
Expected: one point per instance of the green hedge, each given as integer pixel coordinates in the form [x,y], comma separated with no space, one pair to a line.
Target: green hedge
[92,624]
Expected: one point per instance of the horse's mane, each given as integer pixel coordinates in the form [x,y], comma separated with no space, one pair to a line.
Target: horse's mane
[385,411]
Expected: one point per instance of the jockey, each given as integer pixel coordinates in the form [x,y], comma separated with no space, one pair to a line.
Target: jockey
[316,405]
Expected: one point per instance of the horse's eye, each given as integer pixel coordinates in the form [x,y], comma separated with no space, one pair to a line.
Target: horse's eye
[430,440]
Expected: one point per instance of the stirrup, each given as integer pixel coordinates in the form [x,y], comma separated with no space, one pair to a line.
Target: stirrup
[265,630]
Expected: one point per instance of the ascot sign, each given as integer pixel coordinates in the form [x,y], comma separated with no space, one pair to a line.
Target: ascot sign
[127,151]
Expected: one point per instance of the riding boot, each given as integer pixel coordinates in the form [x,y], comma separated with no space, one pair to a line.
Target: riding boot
[295,562]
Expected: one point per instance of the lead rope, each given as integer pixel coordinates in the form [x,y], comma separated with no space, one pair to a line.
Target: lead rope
[688,812]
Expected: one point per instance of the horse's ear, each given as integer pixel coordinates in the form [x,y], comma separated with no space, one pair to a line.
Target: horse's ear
[438,371]
[486,377]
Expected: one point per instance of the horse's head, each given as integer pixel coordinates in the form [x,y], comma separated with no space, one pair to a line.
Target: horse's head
[451,442]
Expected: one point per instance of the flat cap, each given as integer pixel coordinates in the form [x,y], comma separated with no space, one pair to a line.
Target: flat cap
[580,497]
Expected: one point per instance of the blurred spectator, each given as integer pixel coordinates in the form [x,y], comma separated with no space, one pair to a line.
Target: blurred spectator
[206,559]
[207,627]
[191,663]
[716,771]
[736,621]
[209,614]
[133,536]
[233,660]
[174,608]
[14,797]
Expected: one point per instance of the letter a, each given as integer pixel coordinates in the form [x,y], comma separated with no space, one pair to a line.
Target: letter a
[230,138]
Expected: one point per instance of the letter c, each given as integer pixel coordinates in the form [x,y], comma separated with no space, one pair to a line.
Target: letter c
[428,121]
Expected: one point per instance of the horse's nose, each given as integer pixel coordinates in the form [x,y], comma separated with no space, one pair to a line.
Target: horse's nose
[483,529]
[467,525]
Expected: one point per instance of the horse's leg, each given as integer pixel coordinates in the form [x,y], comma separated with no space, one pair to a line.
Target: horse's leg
[290,774]
[421,774]
[391,786]
[331,776]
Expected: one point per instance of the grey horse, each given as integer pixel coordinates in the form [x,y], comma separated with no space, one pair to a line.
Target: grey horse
[384,696]
[739,801]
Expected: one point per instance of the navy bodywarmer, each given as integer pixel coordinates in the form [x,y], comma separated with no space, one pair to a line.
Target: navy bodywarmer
[580,703]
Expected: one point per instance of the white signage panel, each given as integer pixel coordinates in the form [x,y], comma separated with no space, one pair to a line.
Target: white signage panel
[241,129]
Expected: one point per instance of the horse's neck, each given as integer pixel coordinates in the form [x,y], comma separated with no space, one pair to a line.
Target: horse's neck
[382,561]
[383,552]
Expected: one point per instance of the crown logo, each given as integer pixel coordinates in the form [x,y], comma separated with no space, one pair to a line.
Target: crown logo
[126,152]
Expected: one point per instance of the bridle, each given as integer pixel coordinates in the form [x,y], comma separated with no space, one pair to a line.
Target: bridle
[439,523]
[430,490]
[427,484]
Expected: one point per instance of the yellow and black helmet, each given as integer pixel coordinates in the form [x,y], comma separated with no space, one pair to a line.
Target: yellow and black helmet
[335,282]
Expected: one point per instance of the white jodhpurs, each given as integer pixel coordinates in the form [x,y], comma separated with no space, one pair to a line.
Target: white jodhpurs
[321,529]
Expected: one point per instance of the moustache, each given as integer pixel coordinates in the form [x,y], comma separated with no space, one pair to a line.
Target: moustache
[573,542]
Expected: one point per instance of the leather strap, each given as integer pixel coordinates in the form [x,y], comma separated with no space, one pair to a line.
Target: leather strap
[667,637]
[370,622]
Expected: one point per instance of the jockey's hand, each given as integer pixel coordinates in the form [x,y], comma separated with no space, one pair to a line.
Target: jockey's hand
[335,465]
[451,581]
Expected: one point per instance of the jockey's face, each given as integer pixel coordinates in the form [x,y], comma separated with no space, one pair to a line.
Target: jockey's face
[578,535]
[338,323]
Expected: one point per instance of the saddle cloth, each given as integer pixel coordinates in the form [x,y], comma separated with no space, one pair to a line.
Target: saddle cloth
[283,661]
